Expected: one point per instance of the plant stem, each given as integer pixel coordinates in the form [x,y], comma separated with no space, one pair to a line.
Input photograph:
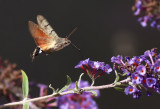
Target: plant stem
[92,82]
[63,93]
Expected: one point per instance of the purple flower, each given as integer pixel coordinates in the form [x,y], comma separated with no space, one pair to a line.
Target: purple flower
[144,23]
[137,12]
[117,59]
[140,59]
[77,101]
[106,68]
[145,20]
[95,64]
[138,6]
[157,90]
[151,52]
[132,90]
[149,93]
[141,70]
[156,87]
[148,62]
[42,88]
[150,82]
[81,63]
[148,12]
[153,24]
[135,60]
[147,53]
[136,79]
[157,58]
[89,104]
[158,27]
[129,90]
[157,67]
[137,94]
[131,61]
[92,68]
[140,19]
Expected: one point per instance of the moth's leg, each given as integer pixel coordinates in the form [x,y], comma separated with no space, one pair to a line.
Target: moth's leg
[36,52]
[48,54]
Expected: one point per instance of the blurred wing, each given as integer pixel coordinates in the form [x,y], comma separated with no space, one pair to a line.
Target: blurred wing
[41,39]
[45,26]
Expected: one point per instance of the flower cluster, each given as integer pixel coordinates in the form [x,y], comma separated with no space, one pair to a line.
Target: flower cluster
[11,87]
[92,67]
[149,10]
[143,70]
[77,101]
[10,81]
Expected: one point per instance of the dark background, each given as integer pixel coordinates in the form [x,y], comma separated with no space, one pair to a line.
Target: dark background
[105,28]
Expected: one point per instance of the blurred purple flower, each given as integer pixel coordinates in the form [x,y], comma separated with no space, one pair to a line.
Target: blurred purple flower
[77,101]
[42,88]
[148,10]
[138,6]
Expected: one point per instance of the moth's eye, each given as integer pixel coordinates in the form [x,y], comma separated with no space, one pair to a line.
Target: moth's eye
[66,43]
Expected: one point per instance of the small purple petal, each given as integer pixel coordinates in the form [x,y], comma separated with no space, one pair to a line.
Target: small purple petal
[117,59]
[141,70]
[157,67]
[129,90]
[150,82]
[137,94]
[136,79]
[81,63]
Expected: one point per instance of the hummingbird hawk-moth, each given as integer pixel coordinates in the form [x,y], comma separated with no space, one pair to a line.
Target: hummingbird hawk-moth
[46,38]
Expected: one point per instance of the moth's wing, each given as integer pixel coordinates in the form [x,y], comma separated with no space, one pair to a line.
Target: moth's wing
[45,26]
[42,40]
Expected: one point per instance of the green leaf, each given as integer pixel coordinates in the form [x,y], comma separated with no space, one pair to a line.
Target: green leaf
[79,81]
[119,89]
[93,92]
[50,86]
[67,85]
[117,77]
[77,85]
[124,74]
[57,90]
[26,106]
[25,85]
[117,83]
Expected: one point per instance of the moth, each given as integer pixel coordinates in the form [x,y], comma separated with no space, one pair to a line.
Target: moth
[46,38]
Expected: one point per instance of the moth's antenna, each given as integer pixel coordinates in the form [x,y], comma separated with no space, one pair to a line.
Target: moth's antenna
[75,46]
[71,32]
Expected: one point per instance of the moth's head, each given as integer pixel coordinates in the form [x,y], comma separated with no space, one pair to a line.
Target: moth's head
[66,42]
